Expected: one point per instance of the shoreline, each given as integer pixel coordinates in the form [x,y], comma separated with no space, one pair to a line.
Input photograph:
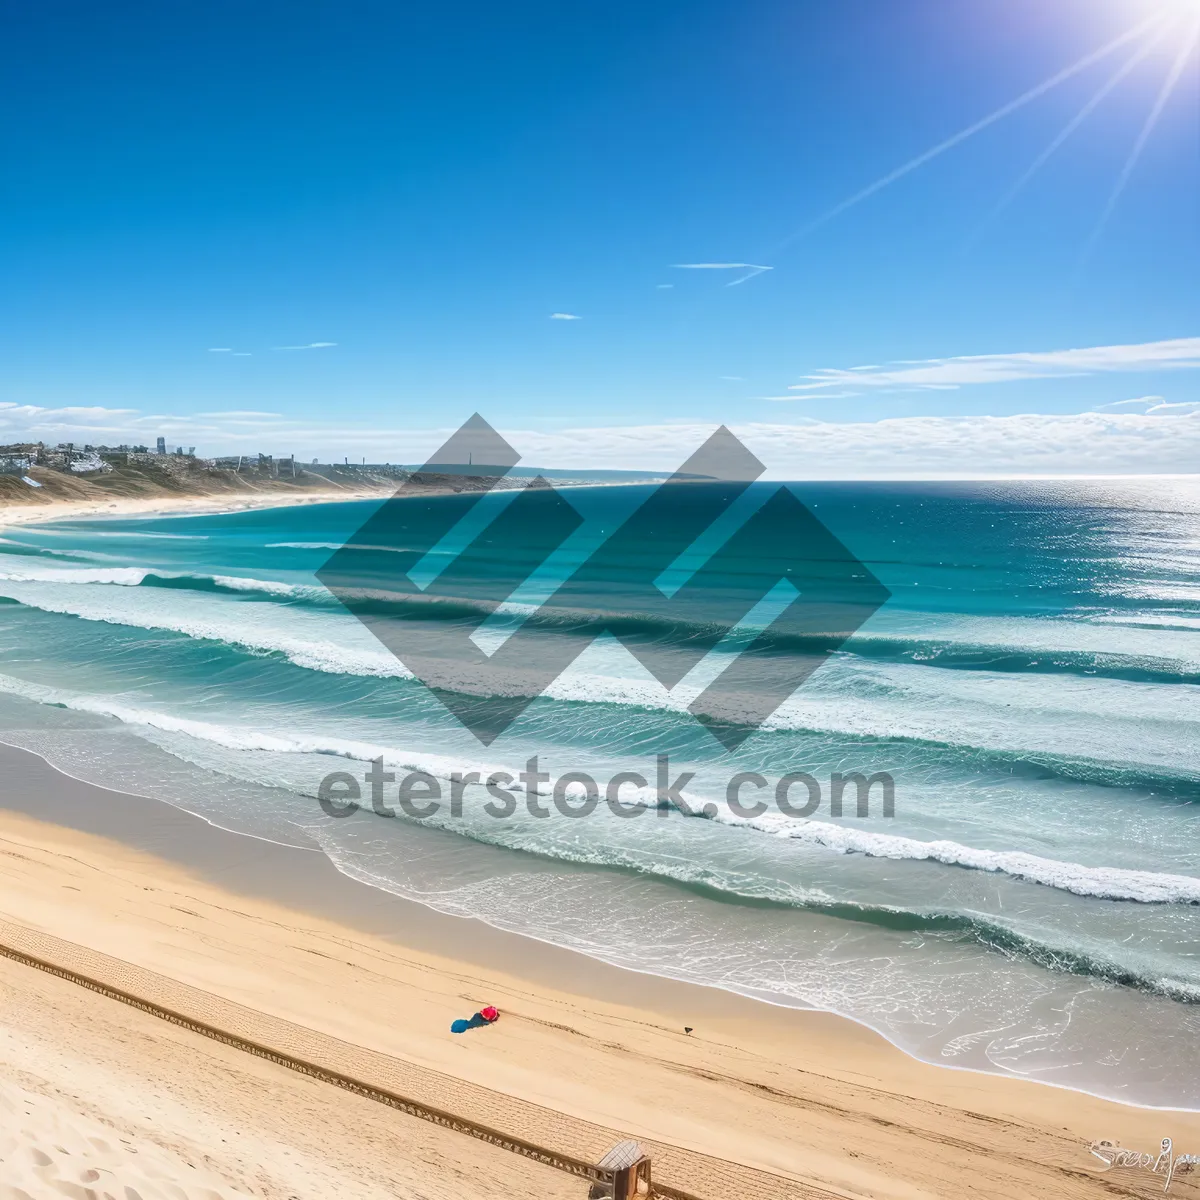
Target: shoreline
[181,506]
[257,922]
[267,869]
[40,511]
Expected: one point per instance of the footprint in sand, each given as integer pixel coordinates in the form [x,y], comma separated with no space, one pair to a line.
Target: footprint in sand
[64,1154]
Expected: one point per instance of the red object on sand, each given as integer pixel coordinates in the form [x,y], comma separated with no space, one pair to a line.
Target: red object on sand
[489,1013]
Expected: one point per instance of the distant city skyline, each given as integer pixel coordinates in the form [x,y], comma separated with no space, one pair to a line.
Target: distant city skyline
[883,238]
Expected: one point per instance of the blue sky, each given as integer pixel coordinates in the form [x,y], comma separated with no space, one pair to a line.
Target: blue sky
[411,192]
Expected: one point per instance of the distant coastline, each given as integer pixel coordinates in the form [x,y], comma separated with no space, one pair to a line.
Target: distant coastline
[41,488]
[150,485]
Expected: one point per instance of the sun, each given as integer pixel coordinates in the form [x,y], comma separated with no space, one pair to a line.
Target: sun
[1158,14]
[1169,10]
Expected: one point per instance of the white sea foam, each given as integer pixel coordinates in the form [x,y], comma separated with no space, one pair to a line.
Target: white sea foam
[240,738]
[333,643]
[117,576]
[1113,883]
[137,576]
[1093,634]
[141,533]
[1151,620]
[1142,637]
[269,587]
[341,546]
[1102,720]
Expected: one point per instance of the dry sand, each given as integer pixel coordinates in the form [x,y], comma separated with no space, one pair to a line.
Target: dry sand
[99,1100]
[47,1147]
[582,1050]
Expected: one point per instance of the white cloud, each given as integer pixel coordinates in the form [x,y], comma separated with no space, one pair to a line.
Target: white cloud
[1190,405]
[904,447]
[220,349]
[13,413]
[940,374]
[240,412]
[750,269]
[662,287]
[1092,443]
[822,396]
[309,346]
[565,317]
[1127,403]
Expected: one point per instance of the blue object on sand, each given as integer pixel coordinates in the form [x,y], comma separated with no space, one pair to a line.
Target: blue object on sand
[462,1025]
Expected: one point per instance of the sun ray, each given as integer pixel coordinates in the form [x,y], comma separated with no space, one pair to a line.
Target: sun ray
[1160,102]
[1082,115]
[997,115]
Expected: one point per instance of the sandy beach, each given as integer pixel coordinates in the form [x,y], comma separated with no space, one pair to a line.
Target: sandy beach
[39,508]
[100,1100]
[808,1104]
[58,509]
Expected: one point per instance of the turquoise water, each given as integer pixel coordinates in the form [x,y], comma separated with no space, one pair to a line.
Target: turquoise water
[1032,686]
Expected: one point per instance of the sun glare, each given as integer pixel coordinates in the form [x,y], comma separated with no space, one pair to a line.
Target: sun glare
[1164,8]
[1181,14]
[1170,27]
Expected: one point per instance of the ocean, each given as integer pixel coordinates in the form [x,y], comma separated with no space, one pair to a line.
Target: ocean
[1030,905]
